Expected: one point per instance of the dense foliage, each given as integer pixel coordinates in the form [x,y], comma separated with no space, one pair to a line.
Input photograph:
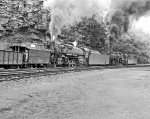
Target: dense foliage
[131,43]
[91,32]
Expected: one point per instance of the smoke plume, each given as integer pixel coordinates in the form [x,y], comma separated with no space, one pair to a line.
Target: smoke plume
[68,12]
[123,12]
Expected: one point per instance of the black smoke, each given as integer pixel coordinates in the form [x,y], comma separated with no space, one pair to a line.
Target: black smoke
[123,12]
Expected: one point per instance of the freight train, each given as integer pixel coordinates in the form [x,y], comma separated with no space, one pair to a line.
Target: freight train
[31,56]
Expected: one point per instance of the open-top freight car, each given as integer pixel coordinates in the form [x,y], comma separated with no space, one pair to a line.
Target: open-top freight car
[132,60]
[10,59]
[123,59]
[95,58]
[32,57]
[117,58]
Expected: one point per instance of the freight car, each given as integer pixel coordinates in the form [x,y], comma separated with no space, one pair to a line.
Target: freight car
[95,58]
[10,59]
[132,60]
[123,59]
[32,57]
[118,58]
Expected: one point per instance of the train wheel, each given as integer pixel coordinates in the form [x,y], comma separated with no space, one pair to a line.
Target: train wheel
[49,65]
[38,66]
[31,66]
[54,65]
[45,65]
[5,67]
[70,63]
[14,67]
[17,67]
[25,66]
[20,66]
[28,66]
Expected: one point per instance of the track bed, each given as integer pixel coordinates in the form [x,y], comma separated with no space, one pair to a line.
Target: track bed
[16,74]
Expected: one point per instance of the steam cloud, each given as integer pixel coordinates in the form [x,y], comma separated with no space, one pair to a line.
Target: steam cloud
[67,12]
[123,12]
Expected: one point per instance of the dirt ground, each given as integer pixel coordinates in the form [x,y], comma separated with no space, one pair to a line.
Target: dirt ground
[98,94]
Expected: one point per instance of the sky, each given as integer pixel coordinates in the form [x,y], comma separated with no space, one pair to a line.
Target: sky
[143,24]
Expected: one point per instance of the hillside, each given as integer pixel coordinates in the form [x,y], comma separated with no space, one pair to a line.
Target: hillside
[23,20]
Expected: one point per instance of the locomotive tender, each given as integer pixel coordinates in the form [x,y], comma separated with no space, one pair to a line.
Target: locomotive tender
[29,55]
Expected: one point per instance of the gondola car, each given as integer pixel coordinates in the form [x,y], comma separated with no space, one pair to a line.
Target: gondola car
[10,59]
[95,58]
[117,58]
[132,60]
[32,57]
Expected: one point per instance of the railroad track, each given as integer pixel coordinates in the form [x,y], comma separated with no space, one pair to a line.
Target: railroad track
[9,75]
[17,74]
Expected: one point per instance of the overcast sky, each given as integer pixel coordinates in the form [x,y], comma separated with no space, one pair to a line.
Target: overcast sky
[143,24]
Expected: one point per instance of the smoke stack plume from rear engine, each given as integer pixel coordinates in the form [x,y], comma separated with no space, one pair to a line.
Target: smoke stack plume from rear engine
[68,12]
[125,11]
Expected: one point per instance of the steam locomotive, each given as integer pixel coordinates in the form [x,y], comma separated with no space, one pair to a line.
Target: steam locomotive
[33,55]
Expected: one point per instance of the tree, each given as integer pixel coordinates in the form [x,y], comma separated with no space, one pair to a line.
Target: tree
[91,32]
[131,43]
